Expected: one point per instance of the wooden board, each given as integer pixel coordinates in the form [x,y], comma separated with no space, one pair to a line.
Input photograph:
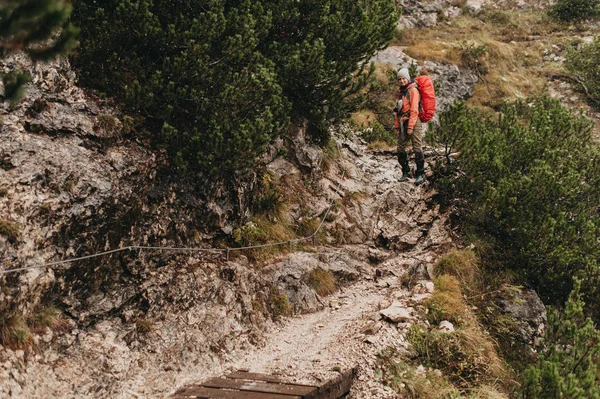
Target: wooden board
[259,386]
[246,385]
[215,393]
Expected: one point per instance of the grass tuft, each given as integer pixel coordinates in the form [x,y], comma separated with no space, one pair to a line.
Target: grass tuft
[10,229]
[462,264]
[15,334]
[280,303]
[322,281]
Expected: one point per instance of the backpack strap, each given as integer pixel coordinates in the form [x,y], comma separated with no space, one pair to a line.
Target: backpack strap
[416,86]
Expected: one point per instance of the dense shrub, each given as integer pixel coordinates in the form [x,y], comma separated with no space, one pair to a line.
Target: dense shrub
[531,185]
[570,10]
[569,357]
[221,78]
[585,62]
[31,26]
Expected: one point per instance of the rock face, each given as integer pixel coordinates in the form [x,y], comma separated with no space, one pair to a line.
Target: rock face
[528,311]
[422,14]
[62,170]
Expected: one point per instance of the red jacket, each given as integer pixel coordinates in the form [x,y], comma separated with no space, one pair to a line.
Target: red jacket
[409,105]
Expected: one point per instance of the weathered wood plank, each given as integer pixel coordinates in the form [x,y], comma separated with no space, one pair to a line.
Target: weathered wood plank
[335,388]
[259,386]
[246,375]
[215,393]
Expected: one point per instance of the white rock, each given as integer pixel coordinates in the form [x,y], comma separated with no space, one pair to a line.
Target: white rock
[446,327]
[396,313]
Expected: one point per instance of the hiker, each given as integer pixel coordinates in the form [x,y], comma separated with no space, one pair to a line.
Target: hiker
[409,127]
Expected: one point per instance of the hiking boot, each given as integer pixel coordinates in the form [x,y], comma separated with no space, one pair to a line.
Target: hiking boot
[403,161]
[420,180]
[420,172]
[405,176]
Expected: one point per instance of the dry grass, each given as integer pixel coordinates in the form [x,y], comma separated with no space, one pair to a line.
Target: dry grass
[47,317]
[322,281]
[447,303]
[279,304]
[363,118]
[261,230]
[462,264]
[16,334]
[403,377]
[144,325]
[10,229]
[515,41]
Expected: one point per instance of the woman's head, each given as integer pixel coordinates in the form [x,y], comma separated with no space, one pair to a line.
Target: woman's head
[403,77]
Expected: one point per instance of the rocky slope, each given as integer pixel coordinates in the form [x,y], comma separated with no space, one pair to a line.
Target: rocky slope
[145,321]
[76,180]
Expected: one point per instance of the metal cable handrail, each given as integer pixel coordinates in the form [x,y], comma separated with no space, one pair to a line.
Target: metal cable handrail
[142,247]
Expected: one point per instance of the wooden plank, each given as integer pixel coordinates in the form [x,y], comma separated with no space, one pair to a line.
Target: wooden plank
[215,393]
[335,388]
[246,375]
[259,386]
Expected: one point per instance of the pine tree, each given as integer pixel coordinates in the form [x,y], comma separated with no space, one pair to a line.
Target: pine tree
[220,79]
[531,186]
[568,364]
[33,26]
[584,61]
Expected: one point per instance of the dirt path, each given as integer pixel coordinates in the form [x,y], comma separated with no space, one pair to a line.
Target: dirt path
[349,332]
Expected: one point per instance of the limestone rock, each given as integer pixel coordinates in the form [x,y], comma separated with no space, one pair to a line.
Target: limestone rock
[527,310]
[397,313]
[446,327]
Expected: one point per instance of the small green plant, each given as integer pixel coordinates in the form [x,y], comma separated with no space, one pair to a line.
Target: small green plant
[403,377]
[10,229]
[466,356]
[267,199]
[473,56]
[280,303]
[108,124]
[15,334]
[376,132]
[584,61]
[322,281]
[455,123]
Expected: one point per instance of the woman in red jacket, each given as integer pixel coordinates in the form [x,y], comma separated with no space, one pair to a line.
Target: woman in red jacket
[409,126]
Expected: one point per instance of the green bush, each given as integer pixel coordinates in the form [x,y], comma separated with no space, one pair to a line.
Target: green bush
[570,10]
[569,357]
[219,79]
[531,187]
[585,62]
[377,132]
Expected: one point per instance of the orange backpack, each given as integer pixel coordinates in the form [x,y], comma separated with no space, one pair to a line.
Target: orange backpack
[427,103]
[425,86]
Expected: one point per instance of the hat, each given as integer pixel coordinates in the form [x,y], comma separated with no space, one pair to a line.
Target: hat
[403,73]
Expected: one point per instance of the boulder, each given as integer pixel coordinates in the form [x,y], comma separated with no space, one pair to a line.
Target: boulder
[527,310]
